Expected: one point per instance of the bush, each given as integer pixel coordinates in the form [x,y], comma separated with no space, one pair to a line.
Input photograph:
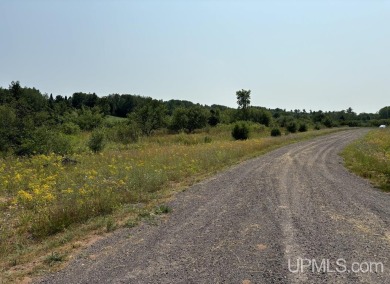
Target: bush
[240,131]
[317,127]
[276,132]
[292,127]
[302,127]
[96,142]
[45,141]
[70,128]
[125,133]
[328,122]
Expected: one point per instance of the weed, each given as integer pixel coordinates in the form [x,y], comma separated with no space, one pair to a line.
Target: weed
[110,225]
[131,223]
[163,209]
[53,258]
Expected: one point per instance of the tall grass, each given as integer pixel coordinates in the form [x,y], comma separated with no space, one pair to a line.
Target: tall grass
[369,157]
[43,195]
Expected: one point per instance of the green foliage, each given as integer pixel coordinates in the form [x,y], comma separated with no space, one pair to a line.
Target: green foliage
[197,118]
[276,132]
[214,117]
[328,122]
[8,129]
[86,118]
[96,142]
[179,119]
[125,132]
[260,116]
[240,131]
[302,127]
[292,127]
[384,113]
[243,98]
[188,119]
[163,209]
[151,116]
[317,126]
[70,128]
[44,140]
[243,101]
[285,120]
[53,258]
[110,225]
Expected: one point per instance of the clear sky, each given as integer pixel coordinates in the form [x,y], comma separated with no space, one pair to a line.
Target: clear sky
[317,54]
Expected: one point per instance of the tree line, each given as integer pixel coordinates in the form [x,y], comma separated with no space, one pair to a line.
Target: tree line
[32,122]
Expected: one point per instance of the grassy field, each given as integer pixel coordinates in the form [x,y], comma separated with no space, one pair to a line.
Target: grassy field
[50,207]
[369,157]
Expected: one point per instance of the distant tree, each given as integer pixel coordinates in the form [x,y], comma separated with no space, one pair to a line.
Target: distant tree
[7,128]
[197,118]
[243,98]
[292,127]
[179,119]
[384,113]
[15,89]
[150,116]
[260,116]
[328,122]
[243,101]
[214,117]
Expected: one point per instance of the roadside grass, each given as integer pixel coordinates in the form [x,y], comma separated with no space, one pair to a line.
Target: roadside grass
[369,157]
[47,207]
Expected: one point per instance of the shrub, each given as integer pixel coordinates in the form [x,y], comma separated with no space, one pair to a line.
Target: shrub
[125,132]
[240,131]
[162,209]
[317,127]
[70,128]
[328,122]
[96,142]
[276,132]
[292,127]
[45,141]
[302,127]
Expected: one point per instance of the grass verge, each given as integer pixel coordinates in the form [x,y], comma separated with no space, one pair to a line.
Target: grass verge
[369,157]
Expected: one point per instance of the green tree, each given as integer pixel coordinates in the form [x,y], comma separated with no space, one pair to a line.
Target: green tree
[151,116]
[179,119]
[7,128]
[384,113]
[197,118]
[214,117]
[243,98]
[243,101]
[260,116]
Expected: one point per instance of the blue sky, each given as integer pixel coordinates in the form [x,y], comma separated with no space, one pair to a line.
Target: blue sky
[327,55]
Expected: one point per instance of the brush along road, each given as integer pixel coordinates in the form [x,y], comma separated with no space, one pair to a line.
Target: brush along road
[294,215]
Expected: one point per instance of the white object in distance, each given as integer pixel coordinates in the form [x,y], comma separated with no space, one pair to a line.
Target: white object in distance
[382,126]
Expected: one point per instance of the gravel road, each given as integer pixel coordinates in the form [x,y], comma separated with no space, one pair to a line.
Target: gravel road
[254,223]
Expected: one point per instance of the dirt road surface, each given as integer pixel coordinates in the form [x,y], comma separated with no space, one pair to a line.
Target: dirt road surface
[254,223]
